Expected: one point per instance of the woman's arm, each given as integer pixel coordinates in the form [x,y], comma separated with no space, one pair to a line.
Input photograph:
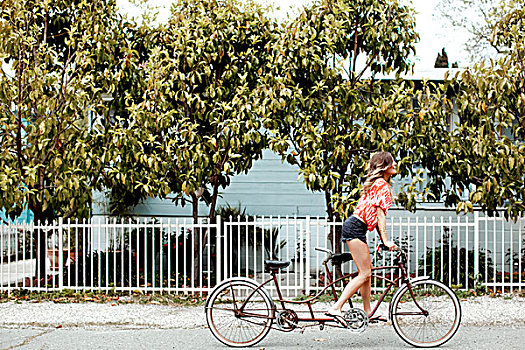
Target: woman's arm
[381,228]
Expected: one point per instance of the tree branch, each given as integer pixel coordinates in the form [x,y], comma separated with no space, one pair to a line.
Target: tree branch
[62,93]
[370,60]
[354,54]
[71,212]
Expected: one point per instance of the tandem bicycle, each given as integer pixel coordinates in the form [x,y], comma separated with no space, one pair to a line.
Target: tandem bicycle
[424,312]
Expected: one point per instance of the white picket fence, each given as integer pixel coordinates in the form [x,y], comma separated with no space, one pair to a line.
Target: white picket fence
[157,255]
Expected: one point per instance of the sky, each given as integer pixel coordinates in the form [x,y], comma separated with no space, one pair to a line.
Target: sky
[433,35]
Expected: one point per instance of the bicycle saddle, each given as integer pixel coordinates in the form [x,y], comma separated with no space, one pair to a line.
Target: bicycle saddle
[274,265]
[338,259]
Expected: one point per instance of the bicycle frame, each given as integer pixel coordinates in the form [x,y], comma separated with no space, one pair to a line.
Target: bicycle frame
[403,277]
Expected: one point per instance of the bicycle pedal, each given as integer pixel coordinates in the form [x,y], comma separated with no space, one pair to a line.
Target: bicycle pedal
[377,320]
[341,321]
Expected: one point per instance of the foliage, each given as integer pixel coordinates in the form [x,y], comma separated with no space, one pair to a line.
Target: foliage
[326,118]
[198,116]
[197,124]
[251,236]
[478,18]
[58,58]
[485,153]
[447,256]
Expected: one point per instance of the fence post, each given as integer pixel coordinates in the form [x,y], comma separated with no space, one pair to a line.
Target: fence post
[307,257]
[60,254]
[476,246]
[218,255]
[218,231]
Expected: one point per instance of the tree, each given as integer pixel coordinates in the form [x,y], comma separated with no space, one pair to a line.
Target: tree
[486,153]
[199,119]
[326,118]
[441,60]
[58,59]
[478,18]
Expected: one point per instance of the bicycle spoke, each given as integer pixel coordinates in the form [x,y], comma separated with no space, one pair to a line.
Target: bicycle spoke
[429,316]
[236,320]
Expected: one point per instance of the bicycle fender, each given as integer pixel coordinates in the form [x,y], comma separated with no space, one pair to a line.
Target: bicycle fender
[403,288]
[243,279]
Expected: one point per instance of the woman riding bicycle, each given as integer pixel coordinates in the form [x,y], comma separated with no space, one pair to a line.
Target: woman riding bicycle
[370,213]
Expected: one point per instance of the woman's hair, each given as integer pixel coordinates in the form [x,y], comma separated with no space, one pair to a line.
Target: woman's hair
[377,165]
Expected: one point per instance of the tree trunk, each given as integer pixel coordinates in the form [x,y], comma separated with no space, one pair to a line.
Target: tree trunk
[41,256]
[196,243]
[40,241]
[211,215]
[335,231]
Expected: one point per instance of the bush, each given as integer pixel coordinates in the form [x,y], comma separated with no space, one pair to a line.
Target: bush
[432,264]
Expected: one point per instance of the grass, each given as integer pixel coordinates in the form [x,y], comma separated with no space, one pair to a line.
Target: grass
[138,297]
[71,296]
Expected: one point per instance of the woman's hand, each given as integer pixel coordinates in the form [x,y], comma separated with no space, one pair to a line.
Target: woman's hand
[391,245]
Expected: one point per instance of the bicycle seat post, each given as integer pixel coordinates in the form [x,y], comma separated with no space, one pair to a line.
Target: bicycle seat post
[273,266]
[329,277]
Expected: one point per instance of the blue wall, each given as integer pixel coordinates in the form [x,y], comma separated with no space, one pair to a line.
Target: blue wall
[26,216]
[269,188]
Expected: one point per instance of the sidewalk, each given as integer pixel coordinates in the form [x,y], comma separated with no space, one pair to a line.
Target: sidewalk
[480,311]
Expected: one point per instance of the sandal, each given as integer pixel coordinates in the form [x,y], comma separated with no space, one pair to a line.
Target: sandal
[376,319]
[334,313]
[338,316]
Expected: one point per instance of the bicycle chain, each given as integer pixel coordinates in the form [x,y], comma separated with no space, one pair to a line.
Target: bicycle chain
[356,319]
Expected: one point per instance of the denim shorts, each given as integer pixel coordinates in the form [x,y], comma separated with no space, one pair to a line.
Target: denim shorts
[354,228]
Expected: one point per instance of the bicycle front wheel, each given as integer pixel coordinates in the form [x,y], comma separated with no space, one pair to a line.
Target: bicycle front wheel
[426,314]
[239,314]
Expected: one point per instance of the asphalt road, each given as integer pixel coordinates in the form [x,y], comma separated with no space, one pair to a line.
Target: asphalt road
[375,337]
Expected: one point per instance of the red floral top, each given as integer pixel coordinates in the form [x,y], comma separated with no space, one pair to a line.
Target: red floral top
[377,196]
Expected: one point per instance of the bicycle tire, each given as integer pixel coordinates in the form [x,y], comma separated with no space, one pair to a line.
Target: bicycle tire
[436,327]
[224,321]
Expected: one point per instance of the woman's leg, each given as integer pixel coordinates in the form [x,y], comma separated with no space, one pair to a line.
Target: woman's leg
[365,290]
[361,255]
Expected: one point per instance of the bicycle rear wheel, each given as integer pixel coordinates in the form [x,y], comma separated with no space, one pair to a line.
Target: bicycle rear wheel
[239,314]
[427,317]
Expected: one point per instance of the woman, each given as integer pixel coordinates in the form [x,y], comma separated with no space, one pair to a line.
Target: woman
[370,213]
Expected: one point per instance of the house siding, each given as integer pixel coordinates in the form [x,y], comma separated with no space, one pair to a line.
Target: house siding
[269,188]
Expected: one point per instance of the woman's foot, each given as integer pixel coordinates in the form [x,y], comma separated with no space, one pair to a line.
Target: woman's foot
[376,318]
[337,315]
[334,312]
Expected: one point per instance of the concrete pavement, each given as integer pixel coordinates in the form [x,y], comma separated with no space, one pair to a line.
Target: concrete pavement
[376,337]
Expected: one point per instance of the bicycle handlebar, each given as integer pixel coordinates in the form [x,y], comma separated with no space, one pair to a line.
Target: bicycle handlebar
[324,250]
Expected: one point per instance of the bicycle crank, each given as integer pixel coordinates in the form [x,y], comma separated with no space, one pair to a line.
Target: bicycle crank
[287,320]
[356,319]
